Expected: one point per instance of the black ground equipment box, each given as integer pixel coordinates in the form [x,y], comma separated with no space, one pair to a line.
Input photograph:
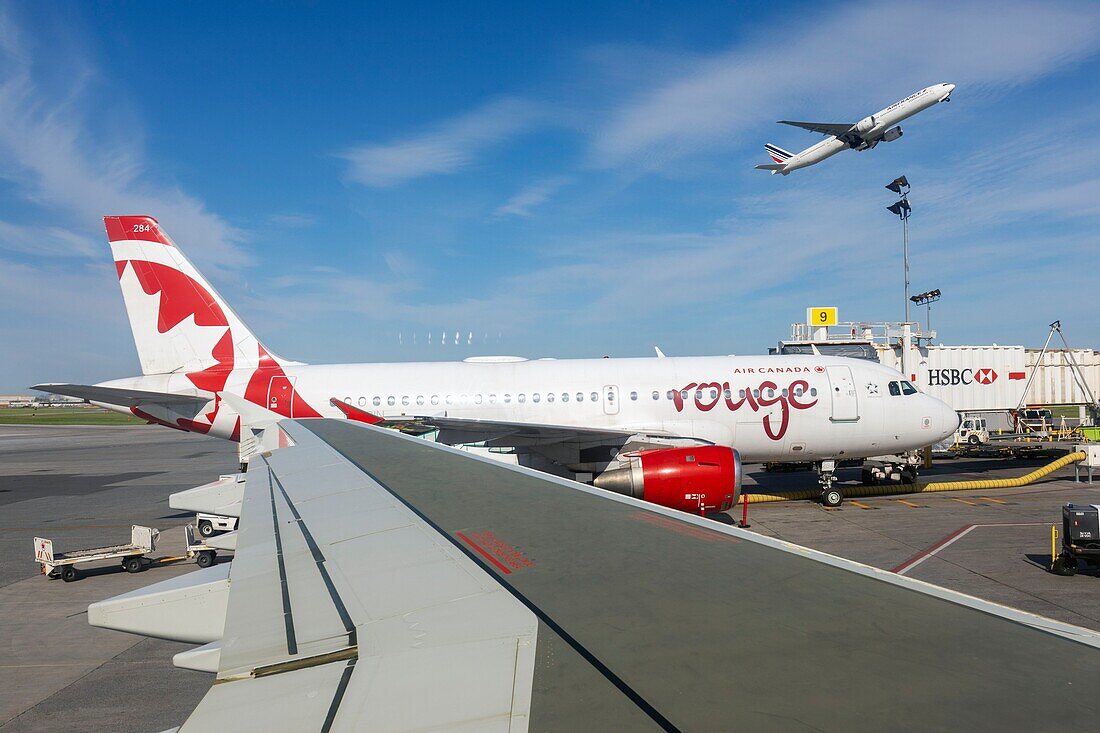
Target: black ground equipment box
[1080,538]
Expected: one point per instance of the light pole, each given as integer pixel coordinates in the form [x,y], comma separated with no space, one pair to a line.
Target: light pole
[927,299]
[901,209]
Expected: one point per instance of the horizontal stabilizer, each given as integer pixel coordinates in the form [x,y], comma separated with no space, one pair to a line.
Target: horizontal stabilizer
[773,167]
[127,397]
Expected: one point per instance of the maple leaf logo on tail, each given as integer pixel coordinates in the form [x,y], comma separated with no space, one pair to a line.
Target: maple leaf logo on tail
[180,323]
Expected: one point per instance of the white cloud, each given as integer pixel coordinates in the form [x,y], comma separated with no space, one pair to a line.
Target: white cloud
[446,148]
[864,55]
[73,175]
[532,196]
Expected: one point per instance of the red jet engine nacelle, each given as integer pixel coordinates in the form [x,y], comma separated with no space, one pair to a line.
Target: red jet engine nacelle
[698,480]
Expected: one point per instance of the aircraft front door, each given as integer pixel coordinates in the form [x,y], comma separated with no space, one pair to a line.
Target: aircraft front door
[280,396]
[843,388]
[610,399]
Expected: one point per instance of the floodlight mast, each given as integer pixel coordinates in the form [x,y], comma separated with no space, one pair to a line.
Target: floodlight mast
[901,208]
[927,299]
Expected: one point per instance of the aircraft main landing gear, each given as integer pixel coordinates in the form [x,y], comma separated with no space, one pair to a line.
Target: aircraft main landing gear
[826,476]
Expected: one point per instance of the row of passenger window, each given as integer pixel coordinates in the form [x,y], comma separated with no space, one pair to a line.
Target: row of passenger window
[536,397]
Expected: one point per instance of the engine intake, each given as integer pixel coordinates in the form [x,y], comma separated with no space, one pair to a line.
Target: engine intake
[698,480]
[892,134]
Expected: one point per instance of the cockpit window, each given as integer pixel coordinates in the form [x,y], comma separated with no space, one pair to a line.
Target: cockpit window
[895,389]
[907,388]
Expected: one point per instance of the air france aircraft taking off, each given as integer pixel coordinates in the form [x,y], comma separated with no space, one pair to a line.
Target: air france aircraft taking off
[882,126]
[669,430]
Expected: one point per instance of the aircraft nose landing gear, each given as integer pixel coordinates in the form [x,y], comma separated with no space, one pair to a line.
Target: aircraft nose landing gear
[826,476]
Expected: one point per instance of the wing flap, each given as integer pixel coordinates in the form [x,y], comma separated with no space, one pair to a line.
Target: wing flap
[825,128]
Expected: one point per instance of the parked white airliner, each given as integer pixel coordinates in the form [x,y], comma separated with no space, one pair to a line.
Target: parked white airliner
[673,430]
[882,126]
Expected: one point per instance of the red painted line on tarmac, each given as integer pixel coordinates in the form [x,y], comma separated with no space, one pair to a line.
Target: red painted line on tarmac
[919,557]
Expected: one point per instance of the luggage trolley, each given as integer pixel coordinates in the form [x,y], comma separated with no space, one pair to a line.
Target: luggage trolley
[143,540]
[197,549]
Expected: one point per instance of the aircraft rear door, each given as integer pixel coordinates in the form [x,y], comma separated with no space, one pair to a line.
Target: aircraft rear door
[610,399]
[280,396]
[843,387]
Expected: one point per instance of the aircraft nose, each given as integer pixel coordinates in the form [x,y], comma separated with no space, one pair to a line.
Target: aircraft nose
[949,420]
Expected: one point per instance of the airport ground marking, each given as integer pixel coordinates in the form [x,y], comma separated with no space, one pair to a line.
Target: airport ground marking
[861,505]
[910,504]
[996,501]
[951,539]
[963,501]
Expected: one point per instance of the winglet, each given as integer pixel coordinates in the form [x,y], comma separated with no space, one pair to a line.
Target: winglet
[660,354]
[354,413]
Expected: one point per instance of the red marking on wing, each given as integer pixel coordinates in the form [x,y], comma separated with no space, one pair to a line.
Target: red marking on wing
[503,556]
[134,228]
[180,296]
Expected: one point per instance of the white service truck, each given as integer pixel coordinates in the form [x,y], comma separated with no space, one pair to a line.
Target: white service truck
[972,431]
[213,524]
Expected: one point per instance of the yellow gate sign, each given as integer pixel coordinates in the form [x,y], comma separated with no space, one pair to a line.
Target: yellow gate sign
[826,316]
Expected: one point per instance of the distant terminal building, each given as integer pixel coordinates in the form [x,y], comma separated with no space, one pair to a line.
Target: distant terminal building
[27,400]
[987,379]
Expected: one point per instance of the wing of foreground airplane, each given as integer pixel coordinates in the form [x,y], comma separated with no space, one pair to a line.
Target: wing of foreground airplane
[387,583]
[825,128]
[127,397]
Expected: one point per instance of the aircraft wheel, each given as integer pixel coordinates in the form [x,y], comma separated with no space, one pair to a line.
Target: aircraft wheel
[205,559]
[133,565]
[831,498]
[69,573]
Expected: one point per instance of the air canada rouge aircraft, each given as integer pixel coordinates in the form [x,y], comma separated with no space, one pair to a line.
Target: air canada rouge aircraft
[669,430]
[880,127]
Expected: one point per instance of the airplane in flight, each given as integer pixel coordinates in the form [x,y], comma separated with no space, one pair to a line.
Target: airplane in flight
[673,431]
[882,126]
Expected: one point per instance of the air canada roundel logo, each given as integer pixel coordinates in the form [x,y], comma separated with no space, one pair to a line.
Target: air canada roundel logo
[985,376]
[819,369]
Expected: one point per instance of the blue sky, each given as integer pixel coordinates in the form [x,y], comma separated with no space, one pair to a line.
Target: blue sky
[567,180]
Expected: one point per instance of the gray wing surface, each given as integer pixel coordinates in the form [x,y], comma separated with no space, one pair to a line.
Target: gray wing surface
[387,583]
[825,128]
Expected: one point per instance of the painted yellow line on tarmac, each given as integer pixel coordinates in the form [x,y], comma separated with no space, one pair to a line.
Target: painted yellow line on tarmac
[861,505]
[990,498]
[963,501]
[909,504]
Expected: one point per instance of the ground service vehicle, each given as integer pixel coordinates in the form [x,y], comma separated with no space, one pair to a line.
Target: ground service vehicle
[143,540]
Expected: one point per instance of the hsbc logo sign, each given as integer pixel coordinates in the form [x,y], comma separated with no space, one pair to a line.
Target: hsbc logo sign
[954,377]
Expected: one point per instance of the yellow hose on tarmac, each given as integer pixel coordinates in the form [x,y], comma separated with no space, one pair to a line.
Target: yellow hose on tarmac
[894,489]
